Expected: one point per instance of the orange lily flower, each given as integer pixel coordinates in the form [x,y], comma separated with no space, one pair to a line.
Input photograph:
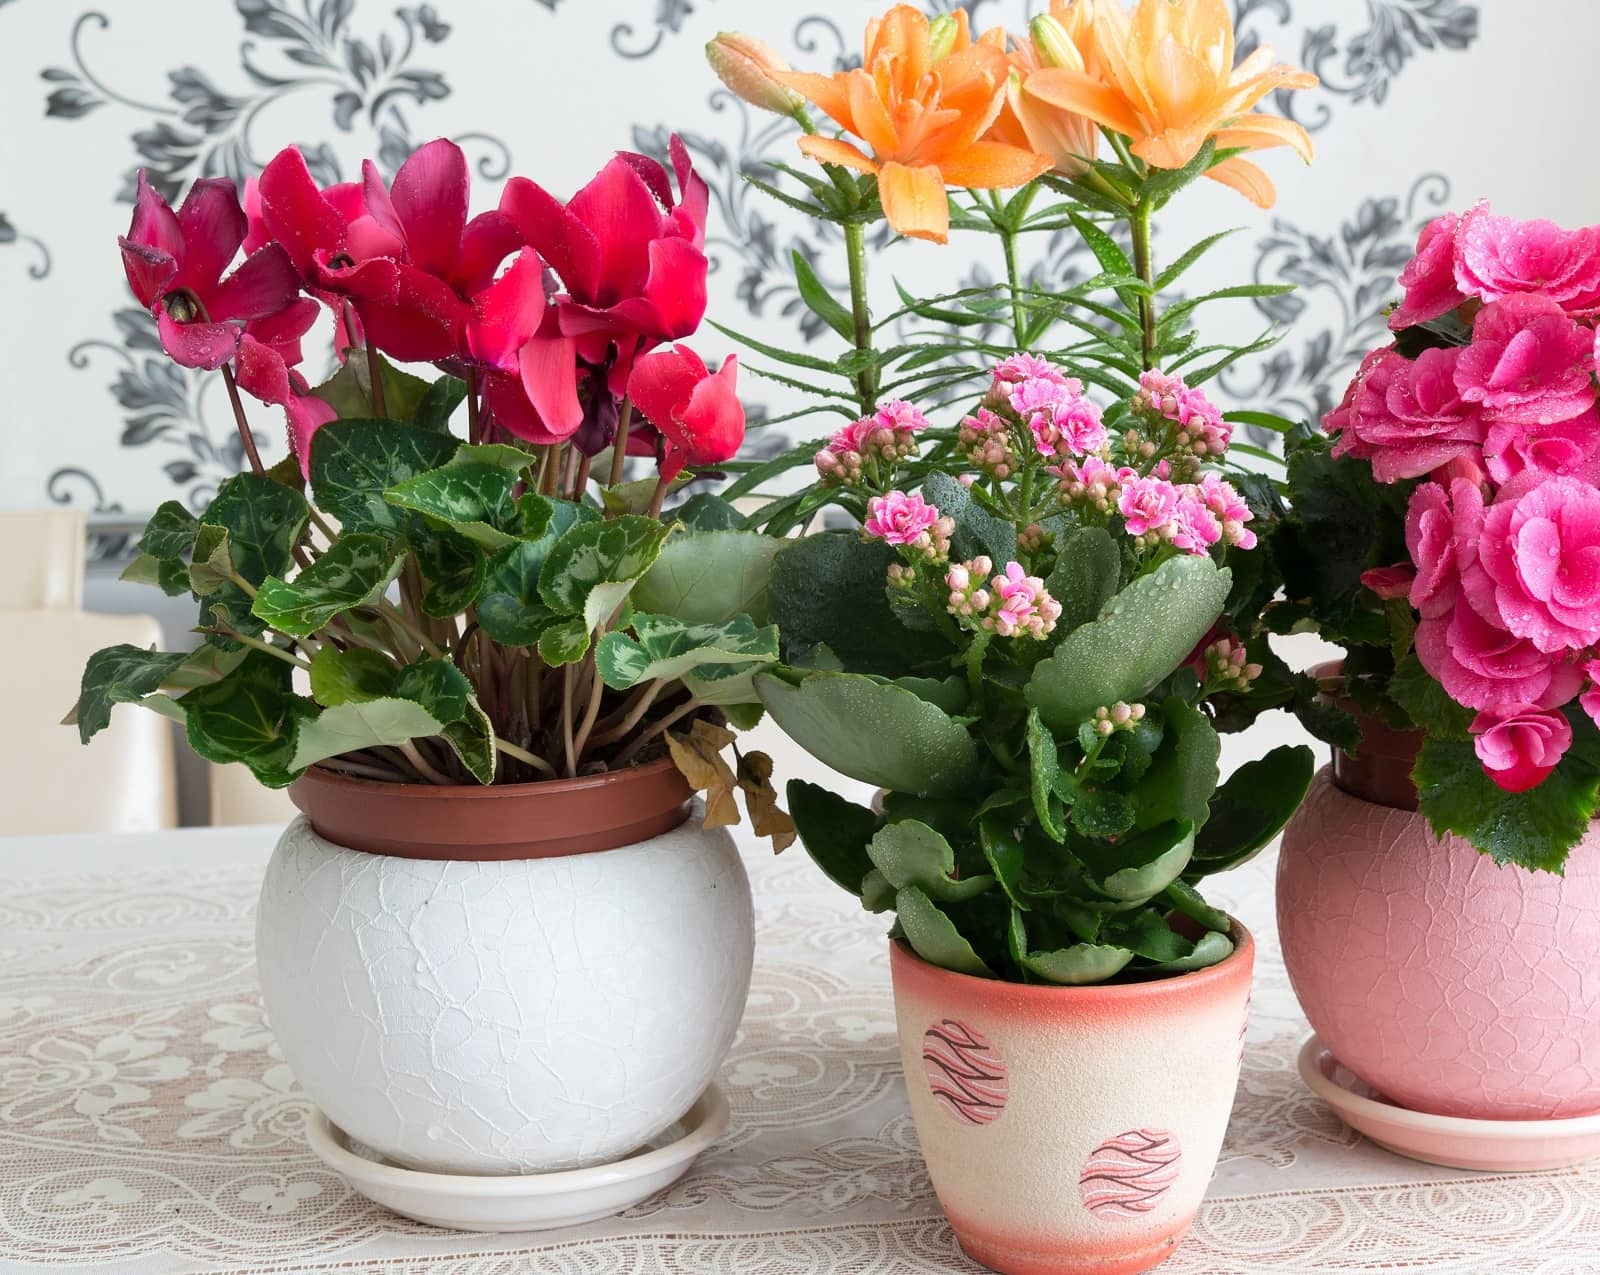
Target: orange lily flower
[1164,77]
[1069,139]
[923,112]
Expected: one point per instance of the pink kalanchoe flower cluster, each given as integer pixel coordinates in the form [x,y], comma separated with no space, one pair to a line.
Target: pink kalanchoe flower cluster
[909,522]
[1199,427]
[889,435]
[1227,667]
[969,594]
[1192,516]
[1021,605]
[1503,537]
[1110,718]
[1061,418]
[1093,482]
[1013,371]
[984,440]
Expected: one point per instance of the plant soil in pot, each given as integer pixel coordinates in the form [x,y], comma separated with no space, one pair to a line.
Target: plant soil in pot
[495,1005]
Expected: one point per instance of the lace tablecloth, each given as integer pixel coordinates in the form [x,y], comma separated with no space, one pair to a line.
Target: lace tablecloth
[148,1124]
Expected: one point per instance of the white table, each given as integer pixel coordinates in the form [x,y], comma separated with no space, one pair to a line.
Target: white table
[148,1125]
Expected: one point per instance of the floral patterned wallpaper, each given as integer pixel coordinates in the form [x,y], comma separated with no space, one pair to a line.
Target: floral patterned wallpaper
[92,416]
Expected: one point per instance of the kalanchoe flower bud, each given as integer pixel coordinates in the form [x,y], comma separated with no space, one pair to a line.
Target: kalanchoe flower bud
[1110,718]
[745,65]
[1034,539]
[1227,669]
[1022,605]
[968,598]
[984,439]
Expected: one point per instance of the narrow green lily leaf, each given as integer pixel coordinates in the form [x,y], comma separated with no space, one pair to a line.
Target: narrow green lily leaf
[819,300]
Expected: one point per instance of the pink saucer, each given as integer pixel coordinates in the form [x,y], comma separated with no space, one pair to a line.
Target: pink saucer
[1505,1146]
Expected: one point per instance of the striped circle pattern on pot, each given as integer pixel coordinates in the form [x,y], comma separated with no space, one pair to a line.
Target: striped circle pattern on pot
[1127,1176]
[965,1072]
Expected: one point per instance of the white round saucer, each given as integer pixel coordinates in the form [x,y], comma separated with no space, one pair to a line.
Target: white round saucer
[1505,1146]
[532,1202]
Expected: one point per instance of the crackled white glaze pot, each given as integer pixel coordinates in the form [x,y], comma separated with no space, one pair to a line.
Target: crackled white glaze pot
[504,980]
[1071,1130]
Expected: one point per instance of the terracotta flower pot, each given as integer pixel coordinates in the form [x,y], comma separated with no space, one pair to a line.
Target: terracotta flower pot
[508,979]
[1071,1130]
[1450,985]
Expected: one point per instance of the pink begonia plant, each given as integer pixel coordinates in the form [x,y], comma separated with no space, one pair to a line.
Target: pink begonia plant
[1492,413]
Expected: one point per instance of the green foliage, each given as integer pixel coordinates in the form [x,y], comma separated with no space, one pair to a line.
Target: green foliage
[354,462]
[251,716]
[353,573]
[661,646]
[1087,574]
[710,577]
[835,832]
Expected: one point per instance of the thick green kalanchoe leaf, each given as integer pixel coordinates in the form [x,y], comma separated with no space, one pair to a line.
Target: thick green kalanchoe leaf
[1251,808]
[1183,773]
[977,530]
[1141,636]
[1045,772]
[1141,866]
[710,577]
[353,572]
[834,832]
[933,935]
[1079,964]
[879,734]
[1005,854]
[910,853]
[354,462]
[1533,829]
[1087,572]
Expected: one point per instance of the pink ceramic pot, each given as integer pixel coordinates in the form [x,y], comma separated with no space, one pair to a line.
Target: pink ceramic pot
[1448,984]
[1071,1130]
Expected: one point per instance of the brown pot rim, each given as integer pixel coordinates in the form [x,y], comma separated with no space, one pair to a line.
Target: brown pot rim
[1244,945]
[1380,772]
[485,823]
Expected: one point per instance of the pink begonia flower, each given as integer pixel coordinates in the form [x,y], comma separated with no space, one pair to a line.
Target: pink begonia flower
[1467,467]
[1589,701]
[1529,362]
[1498,257]
[1021,604]
[174,263]
[1339,420]
[1061,418]
[1429,278]
[1565,447]
[1194,528]
[696,411]
[1539,563]
[1390,583]
[1480,665]
[1442,529]
[1410,418]
[898,518]
[1147,504]
[1230,508]
[1520,744]
[1026,367]
[632,258]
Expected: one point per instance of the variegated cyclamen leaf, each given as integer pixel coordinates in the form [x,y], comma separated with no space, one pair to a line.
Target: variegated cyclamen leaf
[354,462]
[663,647]
[428,697]
[252,716]
[353,572]
[510,609]
[212,566]
[120,675]
[477,500]
[564,641]
[594,567]
[170,532]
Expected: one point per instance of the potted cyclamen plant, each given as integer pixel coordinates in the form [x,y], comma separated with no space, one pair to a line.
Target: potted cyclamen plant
[482,665]
[1446,532]
[1027,641]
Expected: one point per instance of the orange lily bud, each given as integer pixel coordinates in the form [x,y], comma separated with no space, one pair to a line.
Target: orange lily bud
[1054,43]
[942,32]
[746,65]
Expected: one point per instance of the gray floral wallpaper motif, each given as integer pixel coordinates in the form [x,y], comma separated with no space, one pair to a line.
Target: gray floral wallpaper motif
[99,419]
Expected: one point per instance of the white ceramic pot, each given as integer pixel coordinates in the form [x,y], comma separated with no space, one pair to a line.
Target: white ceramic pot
[1071,1130]
[506,1016]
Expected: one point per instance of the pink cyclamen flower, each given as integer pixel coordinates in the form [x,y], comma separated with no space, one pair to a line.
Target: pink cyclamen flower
[1529,362]
[1390,583]
[1429,278]
[174,263]
[1520,744]
[1498,257]
[1442,529]
[1147,504]
[1021,604]
[1481,665]
[696,411]
[898,518]
[1539,563]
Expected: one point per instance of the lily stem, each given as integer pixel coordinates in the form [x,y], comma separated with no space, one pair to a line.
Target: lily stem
[1139,224]
[855,241]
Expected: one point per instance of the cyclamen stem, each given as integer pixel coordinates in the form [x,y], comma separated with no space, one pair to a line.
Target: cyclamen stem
[245,436]
[523,755]
[474,422]
[855,243]
[659,496]
[619,445]
[380,406]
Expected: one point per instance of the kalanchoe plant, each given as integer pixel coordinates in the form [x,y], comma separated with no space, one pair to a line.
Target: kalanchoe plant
[1447,532]
[396,602]
[1021,653]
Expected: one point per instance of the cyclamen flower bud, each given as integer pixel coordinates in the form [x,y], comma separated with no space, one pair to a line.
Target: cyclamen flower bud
[745,65]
